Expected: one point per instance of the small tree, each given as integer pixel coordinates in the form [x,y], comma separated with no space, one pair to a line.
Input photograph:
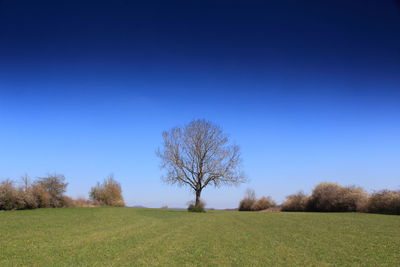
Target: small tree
[51,190]
[199,154]
[109,193]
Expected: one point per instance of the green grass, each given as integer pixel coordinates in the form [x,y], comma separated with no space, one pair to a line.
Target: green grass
[133,236]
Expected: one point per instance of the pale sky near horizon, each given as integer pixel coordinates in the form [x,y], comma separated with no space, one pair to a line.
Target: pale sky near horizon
[309,91]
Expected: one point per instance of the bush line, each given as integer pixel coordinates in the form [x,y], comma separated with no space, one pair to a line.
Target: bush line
[330,197]
[48,192]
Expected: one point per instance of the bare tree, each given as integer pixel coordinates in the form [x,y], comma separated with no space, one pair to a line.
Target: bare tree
[199,154]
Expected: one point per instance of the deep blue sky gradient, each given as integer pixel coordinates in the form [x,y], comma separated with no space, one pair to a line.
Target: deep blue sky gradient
[310,90]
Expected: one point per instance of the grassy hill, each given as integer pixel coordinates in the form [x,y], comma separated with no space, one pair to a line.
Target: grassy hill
[135,236]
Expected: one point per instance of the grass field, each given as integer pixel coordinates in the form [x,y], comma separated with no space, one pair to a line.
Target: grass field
[134,236]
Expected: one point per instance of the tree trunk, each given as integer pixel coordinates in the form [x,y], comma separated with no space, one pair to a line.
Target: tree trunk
[198,193]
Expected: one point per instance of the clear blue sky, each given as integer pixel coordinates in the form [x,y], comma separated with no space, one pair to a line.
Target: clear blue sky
[310,91]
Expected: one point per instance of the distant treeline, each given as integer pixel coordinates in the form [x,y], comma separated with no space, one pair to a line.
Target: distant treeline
[49,192]
[330,197]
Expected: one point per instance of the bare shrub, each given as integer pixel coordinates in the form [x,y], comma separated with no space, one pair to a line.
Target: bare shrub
[247,202]
[263,204]
[200,207]
[108,193]
[273,209]
[384,201]
[43,198]
[11,198]
[51,190]
[78,202]
[82,202]
[26,191]
[332,197]
[296,202]
[67,202]
[46,192]
[30,200]
[355,199]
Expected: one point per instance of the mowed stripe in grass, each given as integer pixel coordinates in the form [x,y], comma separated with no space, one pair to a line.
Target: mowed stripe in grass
[134,236]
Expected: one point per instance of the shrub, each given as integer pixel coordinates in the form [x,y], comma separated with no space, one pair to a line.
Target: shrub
[109,193]
[67,202]
[197,208]
[42,197]
[82,202]
[247,202]
[355,199]
[11,198]
[263,204]
[51,191]
[385,201]
[28,196]
[30,199]
[296,202]
[332,197]
[47,192]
